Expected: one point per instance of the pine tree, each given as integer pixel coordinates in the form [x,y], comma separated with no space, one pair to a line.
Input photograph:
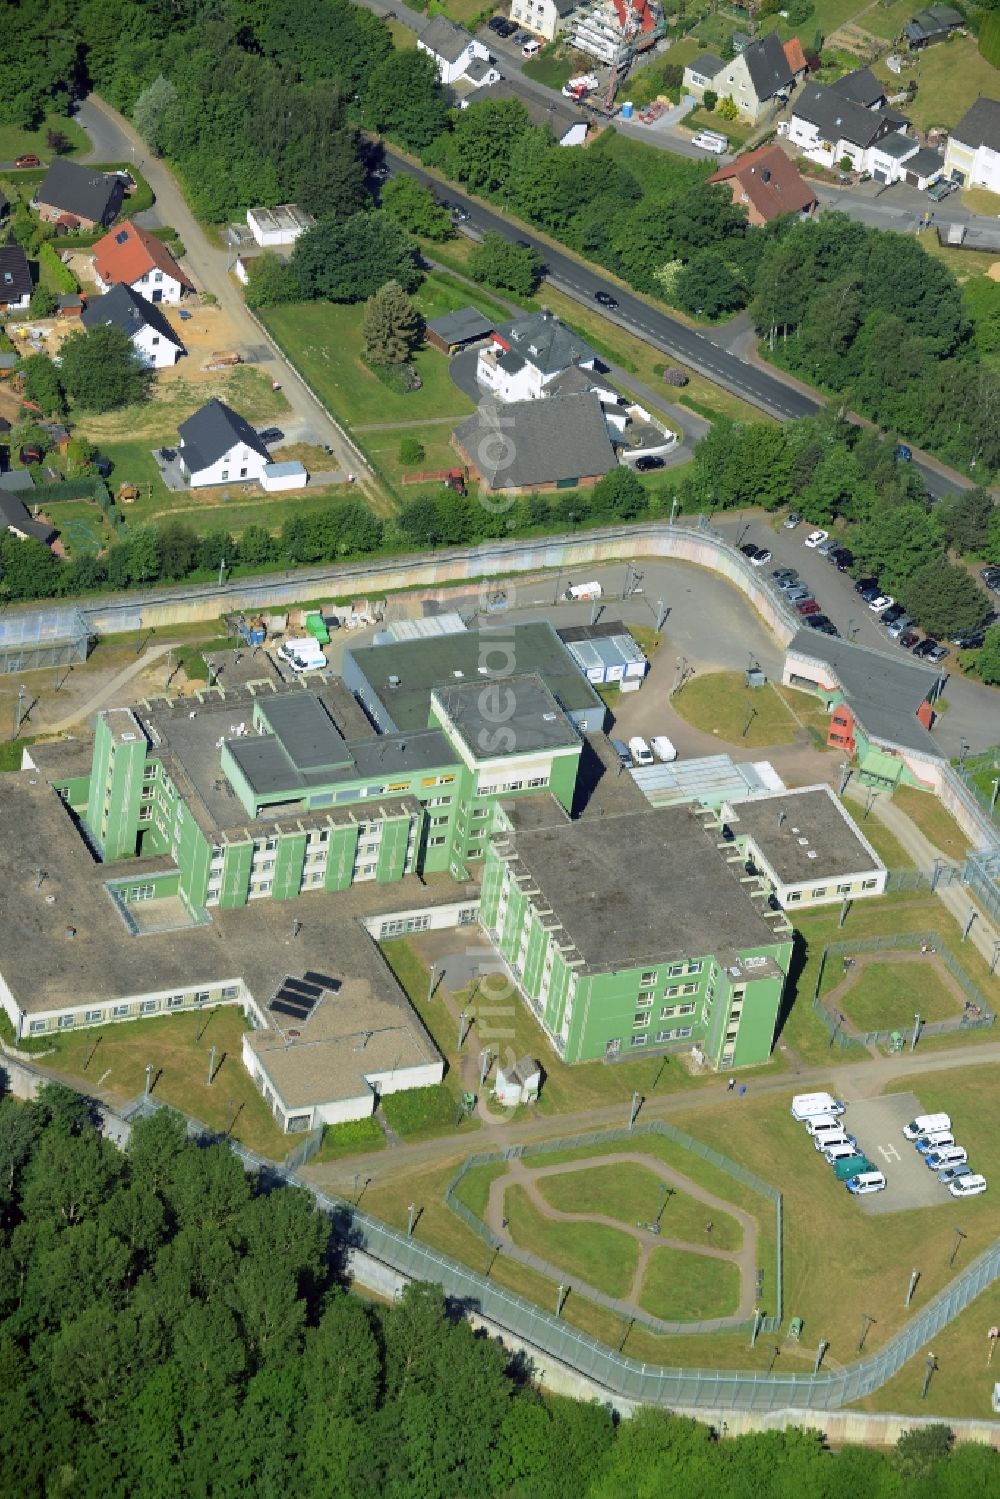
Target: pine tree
[391,325]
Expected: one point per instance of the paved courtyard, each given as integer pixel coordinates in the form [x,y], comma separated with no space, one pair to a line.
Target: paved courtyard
[878,1125]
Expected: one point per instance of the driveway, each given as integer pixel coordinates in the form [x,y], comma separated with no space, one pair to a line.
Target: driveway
[115,140]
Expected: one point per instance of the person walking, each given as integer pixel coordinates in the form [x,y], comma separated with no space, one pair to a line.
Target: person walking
[731,1085]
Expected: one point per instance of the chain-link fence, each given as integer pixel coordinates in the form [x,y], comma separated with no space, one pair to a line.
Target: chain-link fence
[769,1323]
[305,1150]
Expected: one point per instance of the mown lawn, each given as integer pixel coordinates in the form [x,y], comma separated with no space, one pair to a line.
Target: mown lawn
[16,141]
[604,1257]
[635,1195]
[356,1137]
[887,995]
[721,703]
[949,76]
[681,1287]
[934,821]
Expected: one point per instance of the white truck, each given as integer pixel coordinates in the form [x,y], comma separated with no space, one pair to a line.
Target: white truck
[302,653]
[811,1105]
[578,591]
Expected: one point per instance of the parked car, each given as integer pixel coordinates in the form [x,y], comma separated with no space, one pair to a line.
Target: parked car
[935,1139]
[868,1181]
[749,550]
[783,572]
[880,602]
[640,751]
[931,650]
[648,462]
[874,592]
[623,752]
[707,141]
[890,615]
[899,626]
[864,583]
[495,22]
[460,214]
[663,748]
[923,1124]
[521,38]
[806,606]
[948,1155]
[826,548]
[507,29]
[762,558]
[797,593]
[952,1173]
[969,642]
[606,300]
[791,520]
[991,577]
[967,1186]
[908,639]
[903,453]
[834,1140]
[842,558]
[938,191]
[271,434]
[531,49]
[28,160]
[816,539]
[822,623]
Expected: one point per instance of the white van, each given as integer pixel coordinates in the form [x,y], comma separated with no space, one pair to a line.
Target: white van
[578,591]
[810,1105]
[531,49]
[303,654]
[663,748]
[841,1151]
[925,1124]
[828,1138]
[824,1127]
[640,751]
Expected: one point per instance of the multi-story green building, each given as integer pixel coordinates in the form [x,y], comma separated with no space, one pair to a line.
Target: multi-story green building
[637,932]
[272,794]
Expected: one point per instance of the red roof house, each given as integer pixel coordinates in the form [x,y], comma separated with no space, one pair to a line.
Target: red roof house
[767,184]
[131,256]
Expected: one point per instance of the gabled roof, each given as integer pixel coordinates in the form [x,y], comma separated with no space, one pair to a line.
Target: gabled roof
[543,341]
[79,190]
[861,87]
[124,308]
[212,432]
[768,66]
[15,274]
[13,512]
[795,56]
[130,252]
[936,20]
[542,442]
[925,162]
[771,182]
[979,126]
[840,118]
[883,691]
[706,65]
[460,326]
[445,39]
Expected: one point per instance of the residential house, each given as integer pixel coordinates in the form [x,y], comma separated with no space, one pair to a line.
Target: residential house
[935,24]
[614,31]
[767,184]
[861,87]
[75,197]
[567,123]
[217,446]
[544,18]
[15,279]
[562,443]
[153,339]
[525,356]
[796,58]
[829,128]
[131,256]
[973,149]
[758,79]
[454,51]
[15,516]
[272,227]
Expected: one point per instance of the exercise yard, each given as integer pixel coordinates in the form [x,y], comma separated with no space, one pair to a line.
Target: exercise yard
[883,991]
[720,703]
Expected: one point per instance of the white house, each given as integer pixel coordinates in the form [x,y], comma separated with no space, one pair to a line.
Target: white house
[278,226]
[457,53]
[217,446]
[131,256]
[153,339]
[522,359]
[973,149]
[611,30]
[544,18]
[829,128]
[757,79]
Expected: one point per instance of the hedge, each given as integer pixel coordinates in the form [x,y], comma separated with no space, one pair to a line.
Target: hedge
[61,276]
[989,37]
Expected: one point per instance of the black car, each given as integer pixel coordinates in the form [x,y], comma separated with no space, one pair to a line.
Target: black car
[648,462]
[890,615]
[459,214]
[822,623]
[969,642]
[908,639]
[496,23]
[271,434]
[931,650]
[506,28]
[864,583]
[749,550]
[991,577]
[783,572]
[605,299]
[872,592]
[840,558]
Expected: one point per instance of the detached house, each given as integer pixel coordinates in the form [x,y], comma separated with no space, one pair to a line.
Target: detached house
[523,358]
[758,79]
[74,197]
[613,30]
[973,150]
[218,446]
[544,18]
[562,443]
[828,126]
[767,184]
[567,123]
[935,24]
[15,279]
[457,53]
[153,339]
[131,256]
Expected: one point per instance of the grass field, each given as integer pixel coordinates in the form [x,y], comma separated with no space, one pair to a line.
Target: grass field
[356,1137]
[887,995]
[16,141]
[683,1287]
[949,77]
[721,703]
[602,1256]
[887,20]
[555,67]
[635,1195]
[886,845]
[934,821]
[178,1046]
[421,1113]
[737,132]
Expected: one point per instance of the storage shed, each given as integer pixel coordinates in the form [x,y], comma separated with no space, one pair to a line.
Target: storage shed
[518,1084]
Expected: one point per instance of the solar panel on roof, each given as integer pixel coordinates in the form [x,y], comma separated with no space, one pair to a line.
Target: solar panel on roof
[323,980]
[300,986]
[301,1001]
[282,1009]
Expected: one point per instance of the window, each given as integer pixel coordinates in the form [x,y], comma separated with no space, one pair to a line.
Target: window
[155,340]
[119,1012]
[175,1001]
[225,473]
[66,1022]
[93,1017]
[640,1020]
[37,1025]
[440,822]
[844,889]
[539,781]
[148,1006]
[243,473]
[639,1040]
[794,895]
[820,890]
[645,999]
[231,991]
[436,842]
[670,1010]
[868,884]
[647,978]
[479,812]
[202,997]
[678,1033]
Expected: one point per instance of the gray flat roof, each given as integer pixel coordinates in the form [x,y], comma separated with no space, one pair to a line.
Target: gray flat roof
[421,665]
[399,754]
[512,717]
[803,835]
[884,692]
[460,326]
[46,969]
[642,888]
[307,733]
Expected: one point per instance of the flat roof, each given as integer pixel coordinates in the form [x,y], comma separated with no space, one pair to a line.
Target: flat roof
[710,779]
[461,326]
[420,665]
[511,717]
[46,969]
[642,888]
[803,834]
[883,691]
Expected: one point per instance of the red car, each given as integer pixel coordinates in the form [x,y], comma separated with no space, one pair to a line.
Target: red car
[807,606]
[28,161]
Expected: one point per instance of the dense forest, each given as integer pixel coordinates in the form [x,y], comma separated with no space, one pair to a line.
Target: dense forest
[261,101]
[168,1326]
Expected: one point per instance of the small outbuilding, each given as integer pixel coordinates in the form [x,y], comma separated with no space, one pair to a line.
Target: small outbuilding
[287,475]
[458,330]
[278,226]
[518,1084]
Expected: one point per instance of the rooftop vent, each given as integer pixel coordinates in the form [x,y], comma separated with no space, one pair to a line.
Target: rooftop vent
[812,854]
[70,932]
[458,675]
[803,842]
[394,681]
[550,717]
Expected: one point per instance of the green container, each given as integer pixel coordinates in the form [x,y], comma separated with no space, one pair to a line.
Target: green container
[851,1165]
[317,629]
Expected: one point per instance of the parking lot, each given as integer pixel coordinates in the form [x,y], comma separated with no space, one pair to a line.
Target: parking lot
[878,1124]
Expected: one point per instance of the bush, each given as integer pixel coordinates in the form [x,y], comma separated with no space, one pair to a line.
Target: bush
[411,451]
[710,99]
[60,275]
[676,377]
[421,1110]
[727,110]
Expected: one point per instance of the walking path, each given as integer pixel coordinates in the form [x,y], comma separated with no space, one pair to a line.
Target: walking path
[113,688]
[745,1258]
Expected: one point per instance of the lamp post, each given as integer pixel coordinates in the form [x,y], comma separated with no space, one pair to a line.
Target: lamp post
[996,788]
[914,1277]
[634,1109]
[823,1346]
[968,925]
[959,1236]
[222,569]
[673,509]
[19,709]
[431,981]
[149,1079]
[866,1322]
[758,1317]
[929,1367]
[916,1032]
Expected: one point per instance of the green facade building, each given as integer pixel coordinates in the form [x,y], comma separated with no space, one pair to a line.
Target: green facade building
[637,932]
[269,795]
